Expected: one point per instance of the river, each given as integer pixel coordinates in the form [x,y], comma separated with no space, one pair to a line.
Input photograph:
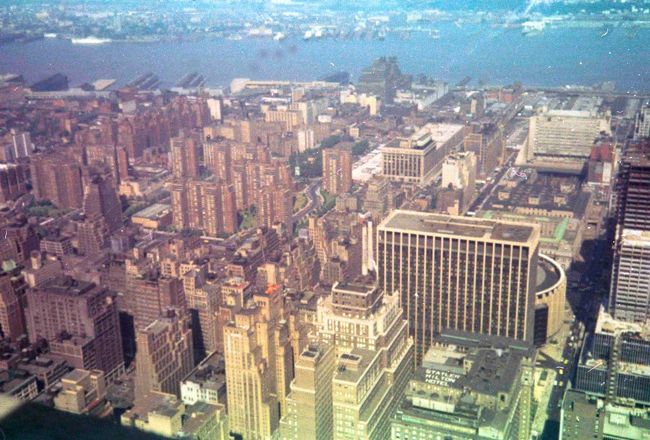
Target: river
[555,57]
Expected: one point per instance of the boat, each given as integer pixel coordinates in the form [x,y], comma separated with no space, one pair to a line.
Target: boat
[532,28]
[90,40]
[308,35]
[279,36]
[50,35]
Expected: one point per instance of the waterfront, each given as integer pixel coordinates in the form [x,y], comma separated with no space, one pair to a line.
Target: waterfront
[555,57]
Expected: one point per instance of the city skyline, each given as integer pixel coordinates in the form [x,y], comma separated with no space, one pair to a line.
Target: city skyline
[277,220]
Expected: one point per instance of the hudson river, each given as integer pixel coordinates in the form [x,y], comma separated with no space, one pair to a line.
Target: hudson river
[495,56]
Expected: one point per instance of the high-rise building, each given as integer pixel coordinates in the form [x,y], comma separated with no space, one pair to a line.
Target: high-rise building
[309,404]
[204,205]
[564,135]
[184,153]
[630,289]
[122,159]
[633,187]
[21,144]
[80,322]
[147,294]
[164,355]
[375,357]
[203,300]
[486,142]
[12,181]
[92,235]
[417,158]
[12,323]
[614,362]
[253,408]
[458,385]
[274,205]
[459,172]
[628,299]
[259,365]
[383,78]
[218,159]
[57,178]
[100,200]
[459,273]
[337,169]
[642,123]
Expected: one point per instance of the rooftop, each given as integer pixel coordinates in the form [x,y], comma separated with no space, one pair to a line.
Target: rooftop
[352,366]
[544,191]
[153,212]
[437,224]
[210,373]
[66,285]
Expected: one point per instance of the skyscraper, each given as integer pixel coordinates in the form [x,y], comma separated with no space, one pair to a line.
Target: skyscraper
[375,357]
[57,177]
[642,122]
[100,200]
[12,181]
[630,283]
[164,355]
[486,142]
[459,273]
[630,290]
[92,235]
[184,153]
[274,205]
[12,324]
[204,205]
[633,187]
[309,404]
[218,159]
[80,322]
[459,172]
[253,408]
[203,301]
[337,169]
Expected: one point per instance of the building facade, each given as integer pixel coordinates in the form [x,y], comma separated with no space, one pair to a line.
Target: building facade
[459,273]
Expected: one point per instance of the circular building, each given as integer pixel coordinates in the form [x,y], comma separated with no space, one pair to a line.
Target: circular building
[550,296]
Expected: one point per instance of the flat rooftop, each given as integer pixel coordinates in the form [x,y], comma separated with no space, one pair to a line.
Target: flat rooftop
[210,373]
[544,192]
[66,285]
[467,227]
[352,366]
[153,212]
